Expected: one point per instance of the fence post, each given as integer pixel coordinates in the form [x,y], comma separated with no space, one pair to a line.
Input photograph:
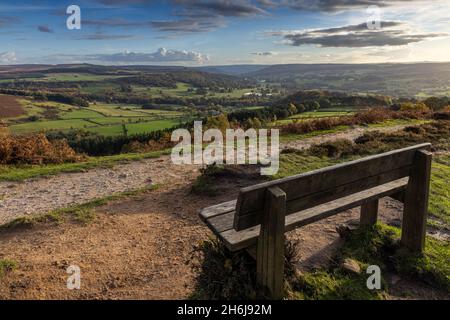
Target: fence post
[270,248]
[415,211]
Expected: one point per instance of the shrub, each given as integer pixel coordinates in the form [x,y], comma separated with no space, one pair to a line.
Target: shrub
[361,118]
[35,149]
[333,149]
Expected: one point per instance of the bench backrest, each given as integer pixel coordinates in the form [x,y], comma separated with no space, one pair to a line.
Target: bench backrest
[313,188]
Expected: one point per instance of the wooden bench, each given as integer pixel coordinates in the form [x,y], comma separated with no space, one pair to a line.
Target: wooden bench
[258,219]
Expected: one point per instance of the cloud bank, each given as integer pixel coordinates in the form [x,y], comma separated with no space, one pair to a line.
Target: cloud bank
[161,55]
[391,33]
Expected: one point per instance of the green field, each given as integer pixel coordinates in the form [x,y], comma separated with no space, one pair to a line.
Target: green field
[101,118]
[134,128]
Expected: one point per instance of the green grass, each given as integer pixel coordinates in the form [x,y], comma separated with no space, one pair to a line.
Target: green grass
[439,207]
[133,128]
[116,110]
[105,119]
[38,126]
[21,173]
[7,265]
[296,163]
[82,113]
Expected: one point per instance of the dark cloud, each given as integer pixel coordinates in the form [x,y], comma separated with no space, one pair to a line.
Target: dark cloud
[161,55]
[225,8]
[114,22]
[123,2]
[45,29]
[329,5]
[391,33]
[187,25]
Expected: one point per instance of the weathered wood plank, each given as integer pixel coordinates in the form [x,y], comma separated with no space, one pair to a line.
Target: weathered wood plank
[236,240]
[218,209]
[416,203]
[251,199]
[270,248]
[369,213]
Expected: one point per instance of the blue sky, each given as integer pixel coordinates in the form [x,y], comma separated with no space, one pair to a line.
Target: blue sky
[199,32]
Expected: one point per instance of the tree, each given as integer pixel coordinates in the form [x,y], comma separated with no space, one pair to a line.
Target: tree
[301,108]
[315,106]
[436,103]
[292,109]
[325,103]
[257,123]
[124,129]
[218,122]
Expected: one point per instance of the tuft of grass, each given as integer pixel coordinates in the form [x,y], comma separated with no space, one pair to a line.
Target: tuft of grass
[432,267]
[337,285]
[7,265]
[294,162]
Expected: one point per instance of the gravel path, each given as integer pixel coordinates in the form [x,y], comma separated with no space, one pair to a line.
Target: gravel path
[19,199]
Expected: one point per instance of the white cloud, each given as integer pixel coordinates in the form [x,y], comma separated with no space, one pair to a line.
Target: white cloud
[161,55]
[8,57]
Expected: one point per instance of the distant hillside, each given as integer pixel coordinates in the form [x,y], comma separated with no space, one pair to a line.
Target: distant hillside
[419,79]
[328,99]
[235,70]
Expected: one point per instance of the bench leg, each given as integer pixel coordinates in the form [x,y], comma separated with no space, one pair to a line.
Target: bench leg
[270,247]
[415,211]
[369,213]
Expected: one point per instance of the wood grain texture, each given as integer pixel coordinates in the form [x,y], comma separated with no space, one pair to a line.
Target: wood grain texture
[416,203]
[270,248]
[369,213]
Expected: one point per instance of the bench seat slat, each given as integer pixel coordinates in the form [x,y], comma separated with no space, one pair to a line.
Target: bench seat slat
[222,224]
[218,209]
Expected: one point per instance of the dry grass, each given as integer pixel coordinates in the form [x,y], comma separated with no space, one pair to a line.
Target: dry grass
[361,118]
[35,149]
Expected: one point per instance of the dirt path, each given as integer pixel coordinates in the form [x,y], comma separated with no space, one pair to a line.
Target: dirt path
[40,196]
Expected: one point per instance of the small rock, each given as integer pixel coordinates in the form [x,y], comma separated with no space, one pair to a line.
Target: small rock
[123,176]
[351,266]
[395,222]
[345,229]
